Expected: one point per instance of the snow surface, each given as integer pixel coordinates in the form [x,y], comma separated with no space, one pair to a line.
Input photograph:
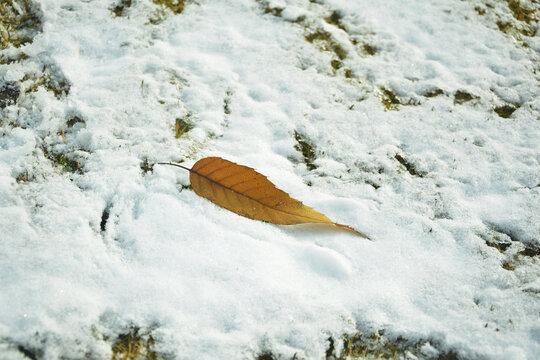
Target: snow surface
[212,284]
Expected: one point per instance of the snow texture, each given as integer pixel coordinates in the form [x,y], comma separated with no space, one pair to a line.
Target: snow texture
[403,105]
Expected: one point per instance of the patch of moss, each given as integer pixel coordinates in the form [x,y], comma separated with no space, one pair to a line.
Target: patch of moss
[67,164]
[389,99]
[20,21]
[524,23]
[520,13]
[51,80]
[9,93]
[462,96]
[182,126]
[379,346]
[481,11]
[306,149]
[335,19]
[13,58]
[31,354]
[517,20]
[326,42]
[227,102]
[507,265]
[504,26]
[375,185]
[276,11]
[410,167]
[505,111]
[64,162]
[265,356]
[104,218]
[336,64]
[118,10]
[503,239]
[300,19]
[25,177]
[510,264]
[72,120]
[146,166]
[433,93]
[530,251]
[501,232]
[176,6]
[134,345]
[369,49]
[500,246]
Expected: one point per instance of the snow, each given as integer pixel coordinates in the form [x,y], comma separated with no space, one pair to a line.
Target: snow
[208,283]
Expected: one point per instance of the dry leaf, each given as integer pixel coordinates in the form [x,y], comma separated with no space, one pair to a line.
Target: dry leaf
[246,192]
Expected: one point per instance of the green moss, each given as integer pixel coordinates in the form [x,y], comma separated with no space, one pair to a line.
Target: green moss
[379,346]
[369,49]
[530,251]
[9,93]
[64,162]
[326,42]
[265,356]
[13,58]
[507,265]
[276,11]
[505,111]
[146,166]
[227,102]
[520,13]
[433,93]
[306,149]
[500,246]
[50,81]
[20,22]
[372,183]
[389,99]
[375,346]
[461,97]
[524,23]
[319,35]
[118,10]
[268,9]
[481,11]
[182,126]
[528,31]
[336,64]
[25,177]
[410,167]
[510,264]
[335,19]
[68,165]
[176,6]
[134,345]
[504,26]
[71,121]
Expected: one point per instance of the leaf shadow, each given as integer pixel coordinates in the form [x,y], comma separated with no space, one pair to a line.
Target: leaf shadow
[313,230]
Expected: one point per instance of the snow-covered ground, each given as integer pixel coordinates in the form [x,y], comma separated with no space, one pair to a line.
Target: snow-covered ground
[415,121]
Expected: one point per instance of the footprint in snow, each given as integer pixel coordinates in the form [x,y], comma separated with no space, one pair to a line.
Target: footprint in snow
[326,262]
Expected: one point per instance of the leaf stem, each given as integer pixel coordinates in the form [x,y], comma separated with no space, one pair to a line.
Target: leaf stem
[173,164]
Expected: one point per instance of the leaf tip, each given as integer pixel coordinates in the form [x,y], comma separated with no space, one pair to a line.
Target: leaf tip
[350,228]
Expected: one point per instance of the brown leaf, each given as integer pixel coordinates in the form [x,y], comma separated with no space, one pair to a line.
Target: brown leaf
[246,192]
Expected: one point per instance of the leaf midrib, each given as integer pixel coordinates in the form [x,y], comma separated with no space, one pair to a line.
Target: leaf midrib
[257,201]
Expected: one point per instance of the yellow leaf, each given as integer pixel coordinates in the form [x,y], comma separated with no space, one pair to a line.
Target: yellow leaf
[246,192]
